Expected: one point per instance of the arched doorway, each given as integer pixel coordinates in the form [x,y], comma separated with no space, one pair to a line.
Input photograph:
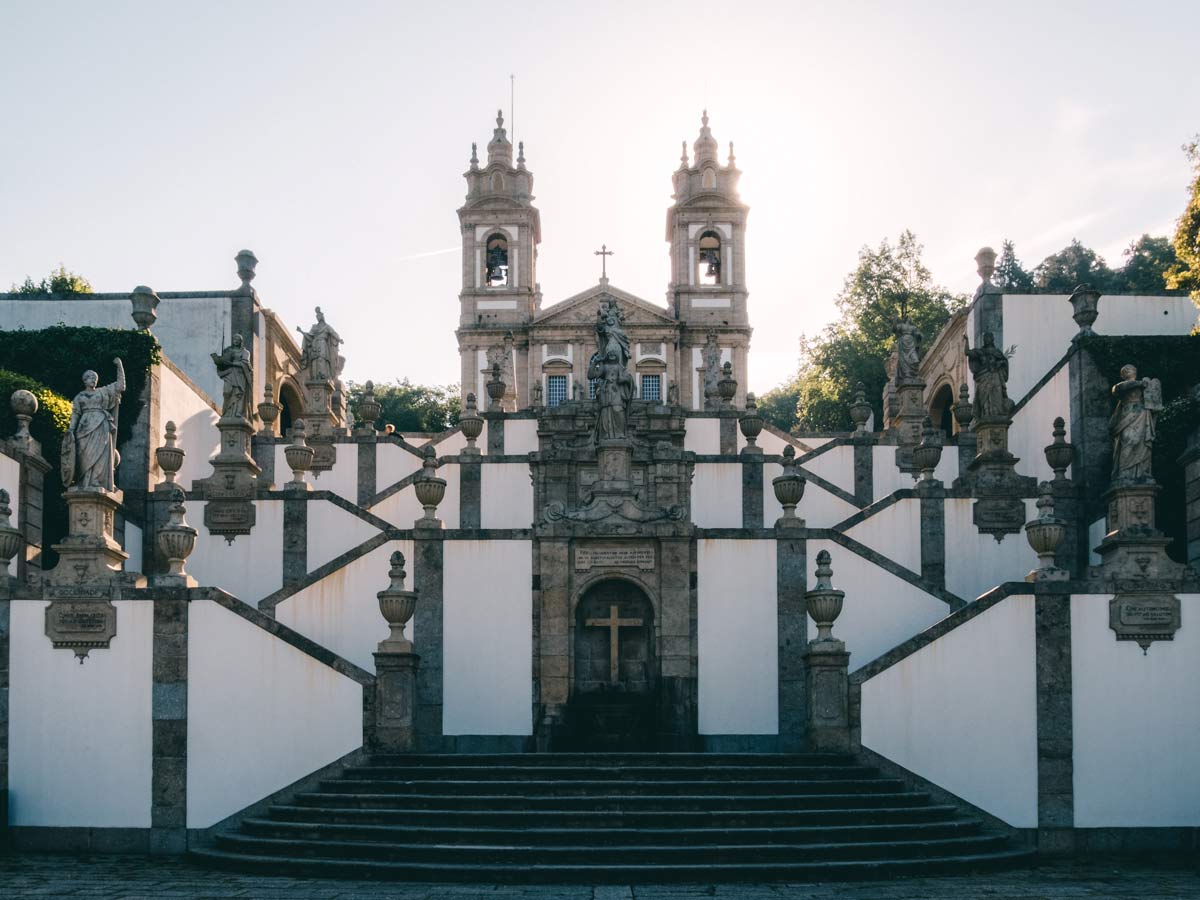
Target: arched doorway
[941,409]
[614,685]
[290,407]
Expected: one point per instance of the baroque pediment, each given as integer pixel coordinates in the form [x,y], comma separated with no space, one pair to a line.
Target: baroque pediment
[581,309]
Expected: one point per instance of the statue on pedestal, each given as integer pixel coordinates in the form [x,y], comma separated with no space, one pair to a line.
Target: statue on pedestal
[319,353]
[607,367]
[89,448]
[1132,425]
[908,350]
[989,365]
[233,367]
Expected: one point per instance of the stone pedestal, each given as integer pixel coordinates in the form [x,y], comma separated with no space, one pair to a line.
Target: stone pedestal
[828,665]
[614,459]
[1133,549]
[909,399]
[394,727]
[88,555]
[230,490]
[998,489]
[322,423]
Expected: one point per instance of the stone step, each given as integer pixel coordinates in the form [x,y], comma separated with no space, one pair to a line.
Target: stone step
[589,787]
[597,837]
[596,760]
[611,773]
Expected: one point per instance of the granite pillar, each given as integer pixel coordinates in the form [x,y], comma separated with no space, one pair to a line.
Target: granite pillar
[428,553]
[470,473]
[792,630]
[1055,735]
[932,497]
[295,538]
[169,666]
[864,470]
[495,432]
[752,488]
[367,455]
[728,433]
[393,729]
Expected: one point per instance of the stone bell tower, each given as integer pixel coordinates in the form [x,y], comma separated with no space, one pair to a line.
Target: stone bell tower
[706,228]
[501,229]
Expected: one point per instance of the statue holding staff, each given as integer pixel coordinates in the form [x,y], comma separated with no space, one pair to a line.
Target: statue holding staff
[233,366]
[989,365]
[89,448]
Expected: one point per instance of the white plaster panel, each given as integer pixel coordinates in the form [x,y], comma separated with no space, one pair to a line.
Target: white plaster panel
[1041,327]
[887,474]
[447,510]
[332,531]
[1096,532]
[821,509]
[703,436]
[717,495]
[1136,721]
[962,711]
[505,496]
[133,546]
[835,466]
[775,444]
[261,714]
[881,610]
[189,328]
[520,436]
[79,735]
[251,567]
[401,508]
[10,480]
[342,479]
[393,463]
[894,531]
[488,637]
[737,637]
[772,508]
[1033,425]
[452,444]
[975,563]
[496,304]
[341,611]
[1146,315]
[195,427]
[710,303]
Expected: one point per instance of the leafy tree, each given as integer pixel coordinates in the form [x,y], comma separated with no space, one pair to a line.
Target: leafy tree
[60,281]
[778,405]
[1075,264]
[1185,273]
[1147,261]
[1010,275]
[411,407]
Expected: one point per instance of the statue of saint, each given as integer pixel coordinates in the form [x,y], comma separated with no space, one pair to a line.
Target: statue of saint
[908,350]
[319,353]
[711,358]
[989,365]
[610,336]
[233,365]
[607,368]
[1132,424]
[89,448]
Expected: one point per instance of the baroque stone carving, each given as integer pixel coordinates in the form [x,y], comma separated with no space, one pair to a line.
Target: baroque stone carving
[233,367]
[319,351]
[397,606]
[177,539]
[989,366]
[608,368]
[169,456]
[1044,534]
[89,448]
[609,514]
[1132,424]
[299,456]
[710,359]
[10,538]
[908,350]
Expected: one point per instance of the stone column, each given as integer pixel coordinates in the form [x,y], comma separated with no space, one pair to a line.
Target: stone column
[391,726]
[495,432]
[792,625]
[827,663]
[864,467]
[1190,460]
[678,723]
[1055,734]
[430,555]
[752,487]
[553,636]
[367,467]
[168,712]
[1090,410]
[470,475]
[295,537]
[910,403]
[932,497]
[728,432]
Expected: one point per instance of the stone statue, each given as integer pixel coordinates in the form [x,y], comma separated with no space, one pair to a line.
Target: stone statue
[673,394]
[710,357]
[1132,425]
[233,365]
[89,448]
[611,338]
[607,368]
[319,353]
[908,350]
[989,365]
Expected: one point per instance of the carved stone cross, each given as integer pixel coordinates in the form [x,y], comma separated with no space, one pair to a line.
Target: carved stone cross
[603,253]
[613,623]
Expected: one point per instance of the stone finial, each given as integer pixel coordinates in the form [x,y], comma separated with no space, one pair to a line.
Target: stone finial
[1085,309]
[397,606]
[471,424]
[176,539]
[299,456]
[732,158]
[24,406]
[169,456]
[789,487]
[246,263]
[520,154]
[928,453]
[985,264]
[10,538]
[496,388]
[964,410]
[824,602]
[727,386]
[751,425]
[683,158]
[1044,534]
[1060,454]
[268,411]
[429,489]
[369,409]
[145,303]
[474,156]
[860,409]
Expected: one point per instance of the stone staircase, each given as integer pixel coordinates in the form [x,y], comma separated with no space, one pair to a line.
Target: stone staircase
[604,818]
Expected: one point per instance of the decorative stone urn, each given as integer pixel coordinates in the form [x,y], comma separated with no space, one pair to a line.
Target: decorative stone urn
[860,409]
[299,456]
[246,264]
[268,411]
[176,539]
[24,406]
[824,602]
[10,538]
[927,454]
[471,424]
[789,487]
[1044,534]
[1085,309]
[430,489]
[751,424]
[496,388]
[369,408]
[169,455]
[144,302]
[726,386]
[397,606]
[963,411]
[1060,454]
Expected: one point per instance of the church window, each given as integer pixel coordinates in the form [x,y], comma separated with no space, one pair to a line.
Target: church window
[652,387]
[592,383]
[497,261]
[709,270]
[556,390]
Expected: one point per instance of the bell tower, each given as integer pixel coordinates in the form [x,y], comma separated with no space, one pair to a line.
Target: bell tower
[706,228]
[501,229]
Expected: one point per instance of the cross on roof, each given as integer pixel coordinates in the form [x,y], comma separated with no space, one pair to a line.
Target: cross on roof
[603,253]
[613,623]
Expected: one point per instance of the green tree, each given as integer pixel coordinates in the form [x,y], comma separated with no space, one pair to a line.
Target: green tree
[411,407]
[1073,265]
[1010,275]
[1147,261]
[889,281]
[60,281]
[1184,275]
[778,405]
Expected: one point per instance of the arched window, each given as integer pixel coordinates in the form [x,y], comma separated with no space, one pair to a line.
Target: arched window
[941,409]
[497,261]
[709,268]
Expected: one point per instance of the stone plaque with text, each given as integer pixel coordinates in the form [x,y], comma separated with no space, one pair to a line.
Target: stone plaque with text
[617,555]
[1144,617]
[81,625]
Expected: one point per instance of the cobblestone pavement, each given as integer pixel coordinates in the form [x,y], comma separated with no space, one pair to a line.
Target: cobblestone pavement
[127,878]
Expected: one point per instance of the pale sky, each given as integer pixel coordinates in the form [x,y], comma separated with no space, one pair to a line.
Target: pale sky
[146,143]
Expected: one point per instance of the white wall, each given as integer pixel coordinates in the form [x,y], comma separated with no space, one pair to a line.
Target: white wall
[342,479]
[79,735]
[835,466]
[505,496]
[887,476]
[488,637]
[1145,315]
[189,328]
[341,611]
[1033,425]
[133,546]
[332,531]
[10,480]
[452,444]
[962,712]
[894,531]
[717,495]
[252,566]
[520,436]
[774,444]
[401,508]
[703,436]
[975,563]
[818,507]
[1041,326]
[261,714]
[392,464]
[880,610]
[1137,721]
[737,637]
[195,427]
